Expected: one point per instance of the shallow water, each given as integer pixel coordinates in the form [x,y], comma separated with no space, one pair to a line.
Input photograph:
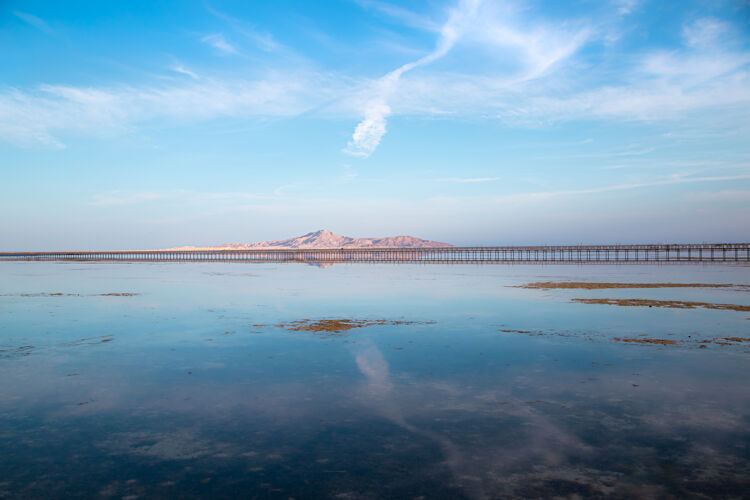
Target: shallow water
[470,388]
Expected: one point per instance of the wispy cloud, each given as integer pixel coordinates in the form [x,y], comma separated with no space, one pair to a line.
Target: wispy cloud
[265,41]
[217,41]
[179,68]
[372,128]
[529,74]
[349,175]
[727,195]
[119,198]
[632,151]
[536,49]
[468,180]
[536,196]
[33,118]
[404,16]
[234,201]
[34,21]
[705,31]
[625,7]
[281,190]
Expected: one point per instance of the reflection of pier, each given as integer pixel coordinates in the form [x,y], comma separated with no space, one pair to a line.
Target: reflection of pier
[588,254]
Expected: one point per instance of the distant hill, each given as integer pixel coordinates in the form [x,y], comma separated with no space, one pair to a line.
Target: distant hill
[327,239]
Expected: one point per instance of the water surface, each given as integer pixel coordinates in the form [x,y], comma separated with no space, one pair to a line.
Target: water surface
[189,382]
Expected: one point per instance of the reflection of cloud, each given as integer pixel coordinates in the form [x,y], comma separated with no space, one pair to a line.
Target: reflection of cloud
[180,445]
[372,365]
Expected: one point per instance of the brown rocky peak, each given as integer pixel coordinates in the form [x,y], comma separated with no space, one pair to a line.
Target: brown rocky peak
[324,238]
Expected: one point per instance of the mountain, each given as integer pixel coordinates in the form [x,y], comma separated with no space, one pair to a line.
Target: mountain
[327,239]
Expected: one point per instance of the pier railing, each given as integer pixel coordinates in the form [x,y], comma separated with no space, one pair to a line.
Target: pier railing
[583,254]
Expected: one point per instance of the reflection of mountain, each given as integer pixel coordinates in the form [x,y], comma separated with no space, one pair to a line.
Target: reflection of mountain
[322,265]
[327,239]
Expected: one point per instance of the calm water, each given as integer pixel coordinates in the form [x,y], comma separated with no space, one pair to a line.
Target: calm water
[188,390]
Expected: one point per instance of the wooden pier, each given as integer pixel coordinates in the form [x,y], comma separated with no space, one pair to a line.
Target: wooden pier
[579,254]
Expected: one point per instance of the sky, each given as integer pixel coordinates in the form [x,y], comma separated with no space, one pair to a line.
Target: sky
[132,125]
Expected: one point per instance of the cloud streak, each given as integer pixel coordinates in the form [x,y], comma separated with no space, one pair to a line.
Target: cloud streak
[372,128]
[179,68]
[34,21]
[217,41]
[178,197]
[704,82]
[33,118]
[468,180]
[618,187]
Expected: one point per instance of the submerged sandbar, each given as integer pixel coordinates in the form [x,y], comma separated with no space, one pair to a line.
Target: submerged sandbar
[549,285]
[672,304]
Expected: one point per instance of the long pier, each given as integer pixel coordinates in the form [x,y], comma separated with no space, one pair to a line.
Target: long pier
[576,254]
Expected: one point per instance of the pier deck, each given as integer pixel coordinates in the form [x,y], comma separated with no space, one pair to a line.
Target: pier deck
[578,254]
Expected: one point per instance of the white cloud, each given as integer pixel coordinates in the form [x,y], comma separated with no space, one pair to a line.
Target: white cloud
[530,197]
[727,195]
[372,128]
[117,198]
[33,118]
[469,180]
[705,31]
[217,41]
[233,201]
[34,21]
[532,76]
[405,16]
[281,190]
[692,68]
[179,68]
[180,197]
[263,40]
[369,131]
[535,47]
[625,7]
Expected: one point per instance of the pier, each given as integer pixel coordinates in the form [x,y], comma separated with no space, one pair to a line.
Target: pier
[574,254]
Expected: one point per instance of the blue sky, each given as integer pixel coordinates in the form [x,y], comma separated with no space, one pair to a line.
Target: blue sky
[156,124]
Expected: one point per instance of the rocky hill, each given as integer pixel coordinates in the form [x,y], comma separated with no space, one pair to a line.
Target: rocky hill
[327,239]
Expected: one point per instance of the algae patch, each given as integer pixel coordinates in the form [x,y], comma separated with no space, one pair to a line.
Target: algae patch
[47,294]
[646,341]
[642,339]
[61,294]
[672,304]
[17,352]
[567,285]
[340,325]
[103,339]
[701,343]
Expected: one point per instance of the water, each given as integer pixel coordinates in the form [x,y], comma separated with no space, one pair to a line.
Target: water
[187,389]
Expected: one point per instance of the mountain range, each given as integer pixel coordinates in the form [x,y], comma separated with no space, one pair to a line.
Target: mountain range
[328,239]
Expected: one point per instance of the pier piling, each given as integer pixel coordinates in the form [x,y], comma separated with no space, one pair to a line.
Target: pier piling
[578,254]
